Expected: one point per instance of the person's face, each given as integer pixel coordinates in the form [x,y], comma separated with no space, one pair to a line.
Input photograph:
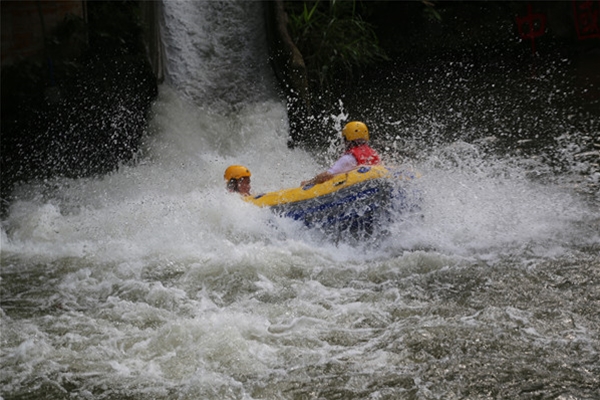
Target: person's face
[244,185]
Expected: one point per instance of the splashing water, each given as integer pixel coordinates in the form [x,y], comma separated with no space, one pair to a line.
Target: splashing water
[153,282]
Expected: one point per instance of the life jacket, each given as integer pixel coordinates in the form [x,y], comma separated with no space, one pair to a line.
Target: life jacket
[364,155]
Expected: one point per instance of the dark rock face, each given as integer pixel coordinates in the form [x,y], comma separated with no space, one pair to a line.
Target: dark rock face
[79,113]
[289,68]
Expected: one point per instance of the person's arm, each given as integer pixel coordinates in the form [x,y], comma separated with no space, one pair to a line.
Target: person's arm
[322,177]
[344,164]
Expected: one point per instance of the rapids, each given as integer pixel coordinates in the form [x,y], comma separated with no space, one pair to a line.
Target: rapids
[152,282]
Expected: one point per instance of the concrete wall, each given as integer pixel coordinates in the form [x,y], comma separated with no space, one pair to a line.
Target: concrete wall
[26,24]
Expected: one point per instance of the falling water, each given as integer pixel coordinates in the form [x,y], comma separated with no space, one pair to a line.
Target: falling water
[153,282]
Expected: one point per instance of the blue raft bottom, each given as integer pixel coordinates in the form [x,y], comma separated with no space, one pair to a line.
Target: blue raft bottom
[362,209]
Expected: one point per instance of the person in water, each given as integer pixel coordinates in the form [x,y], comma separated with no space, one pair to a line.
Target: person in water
[238,179]
[358,152]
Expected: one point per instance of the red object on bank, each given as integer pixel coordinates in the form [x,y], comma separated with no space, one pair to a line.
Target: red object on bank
[586,19]
[531,26]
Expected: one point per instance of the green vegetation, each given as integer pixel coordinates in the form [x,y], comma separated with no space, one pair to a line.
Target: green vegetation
[334,39]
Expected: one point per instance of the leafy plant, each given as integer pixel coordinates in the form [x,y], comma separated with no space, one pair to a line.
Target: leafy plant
[333,38]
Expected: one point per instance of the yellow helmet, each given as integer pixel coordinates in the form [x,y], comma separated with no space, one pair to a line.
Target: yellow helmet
[236,172]
[355,130]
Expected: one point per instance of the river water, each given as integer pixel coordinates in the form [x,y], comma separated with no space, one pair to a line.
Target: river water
[152,282]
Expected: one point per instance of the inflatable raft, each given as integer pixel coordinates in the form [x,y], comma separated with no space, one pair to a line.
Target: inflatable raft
[357,201]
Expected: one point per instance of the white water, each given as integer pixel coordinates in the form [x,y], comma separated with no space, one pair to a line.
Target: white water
[153,282]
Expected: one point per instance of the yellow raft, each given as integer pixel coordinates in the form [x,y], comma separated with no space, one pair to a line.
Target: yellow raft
[355,200]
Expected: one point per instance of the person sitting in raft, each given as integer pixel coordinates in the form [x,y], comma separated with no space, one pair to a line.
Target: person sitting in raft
[358,152]
[238,179]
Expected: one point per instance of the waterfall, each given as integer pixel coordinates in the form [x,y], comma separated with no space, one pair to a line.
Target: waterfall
[215,52]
